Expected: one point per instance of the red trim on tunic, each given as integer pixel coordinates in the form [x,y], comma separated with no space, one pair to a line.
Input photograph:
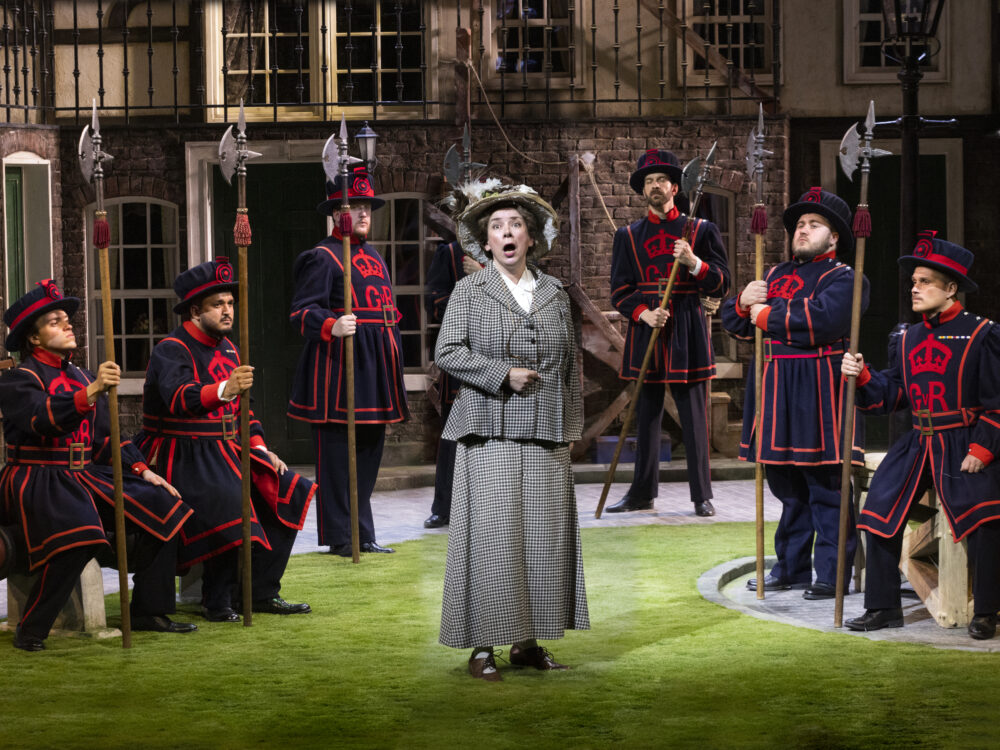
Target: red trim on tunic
[47,358]
[326,332]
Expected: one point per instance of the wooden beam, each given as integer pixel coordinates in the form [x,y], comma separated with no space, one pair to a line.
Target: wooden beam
[600,424]
[560,193]
[439,221]
[595,316]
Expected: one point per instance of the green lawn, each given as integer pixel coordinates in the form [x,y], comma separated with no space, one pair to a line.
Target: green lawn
[660,668]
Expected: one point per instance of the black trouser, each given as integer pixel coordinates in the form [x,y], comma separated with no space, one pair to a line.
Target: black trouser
[52,589]
[691,400]
[333,512]
[882,577]
[443,478]
[220,586]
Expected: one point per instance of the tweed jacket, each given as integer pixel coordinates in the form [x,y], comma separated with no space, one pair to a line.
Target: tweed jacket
[484,334]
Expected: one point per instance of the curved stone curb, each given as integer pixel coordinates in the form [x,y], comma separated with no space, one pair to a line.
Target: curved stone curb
[725,585]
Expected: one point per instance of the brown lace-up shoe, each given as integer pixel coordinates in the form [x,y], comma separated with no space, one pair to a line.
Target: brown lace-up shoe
[536,657]
[484,668]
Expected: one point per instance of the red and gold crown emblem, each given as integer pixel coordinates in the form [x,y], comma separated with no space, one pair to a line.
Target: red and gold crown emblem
[813,196]
[930,356]
[223,270]
[367,265]
[925,245]
[785,287]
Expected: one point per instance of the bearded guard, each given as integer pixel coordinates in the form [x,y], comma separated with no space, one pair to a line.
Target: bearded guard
[641,261]
[190,431]
[319,385]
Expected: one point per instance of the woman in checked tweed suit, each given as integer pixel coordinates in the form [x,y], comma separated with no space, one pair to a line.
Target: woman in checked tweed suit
[514,571]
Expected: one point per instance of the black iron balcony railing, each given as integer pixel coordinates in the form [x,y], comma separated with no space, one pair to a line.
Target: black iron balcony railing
[294,60]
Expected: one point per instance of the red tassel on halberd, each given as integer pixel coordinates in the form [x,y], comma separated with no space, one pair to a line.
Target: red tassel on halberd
[241,232]
[862,222]
[345,224]
[758,224]
[102,232]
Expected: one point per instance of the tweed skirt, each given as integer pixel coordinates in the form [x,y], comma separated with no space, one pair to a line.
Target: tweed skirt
[514,569]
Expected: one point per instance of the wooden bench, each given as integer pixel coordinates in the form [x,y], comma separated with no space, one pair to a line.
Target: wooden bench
[934,565]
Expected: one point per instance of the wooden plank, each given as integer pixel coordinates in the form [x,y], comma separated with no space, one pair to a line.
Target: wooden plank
[595,343]
[605,418]
[439,221]
[924,539]
[595,316]
[561,192]
[954,608]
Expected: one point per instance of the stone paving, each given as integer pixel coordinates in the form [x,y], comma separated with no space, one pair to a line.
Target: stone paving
[399,516]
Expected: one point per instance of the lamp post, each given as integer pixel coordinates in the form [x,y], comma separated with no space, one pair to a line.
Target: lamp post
[910,39]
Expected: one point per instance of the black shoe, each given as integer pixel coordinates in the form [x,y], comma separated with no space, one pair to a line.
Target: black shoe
[278,606]
[704,508]
[436,522]
[343,550]
[820,590]
[627,504]
[876,619]
[28,642]
[376,547]
[161,624]
[770,584]
[226,614]
[983,627]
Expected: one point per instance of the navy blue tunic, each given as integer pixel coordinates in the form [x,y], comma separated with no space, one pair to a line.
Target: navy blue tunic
[806,323]
[319,387]
[445,271]
[58,463]
[641,259]
[192,437]
[946,373]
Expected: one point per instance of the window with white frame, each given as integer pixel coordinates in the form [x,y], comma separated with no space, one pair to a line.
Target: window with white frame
[403,243]
[144,260]
[739,30]
[864,62]
[296,55]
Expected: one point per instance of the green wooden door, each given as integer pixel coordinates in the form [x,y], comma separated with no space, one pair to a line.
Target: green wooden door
[882,251]
[281,199]
[14,211]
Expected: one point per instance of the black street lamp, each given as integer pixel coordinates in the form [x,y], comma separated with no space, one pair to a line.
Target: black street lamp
[910,40]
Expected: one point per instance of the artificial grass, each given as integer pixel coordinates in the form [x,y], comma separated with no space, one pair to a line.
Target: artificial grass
[661,667]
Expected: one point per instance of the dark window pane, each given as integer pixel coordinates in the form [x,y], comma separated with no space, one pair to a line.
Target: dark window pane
[162,316]
[362,91]
[136,355]
[534,62]
[135,268]
[508,8]
[533,8]
[432,334]
[409,16]
[409,306]
[293,88]
[238,87]
[134,224]
[136,316]
[871,57]
[411,350]
[159,277]
[536,37]
[289,56]
[870,31]
[290,14]
[238,16]
[560,62]
[356,49]
[411,87]
[156,224]
[406,56]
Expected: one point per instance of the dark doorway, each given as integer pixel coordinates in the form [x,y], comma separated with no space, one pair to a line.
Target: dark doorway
[882,250]
[281,199]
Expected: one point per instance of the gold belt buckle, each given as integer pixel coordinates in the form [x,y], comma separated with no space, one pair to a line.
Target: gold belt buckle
[228,426]
[76,457]
[386,309]
[927,429]
[768,351]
